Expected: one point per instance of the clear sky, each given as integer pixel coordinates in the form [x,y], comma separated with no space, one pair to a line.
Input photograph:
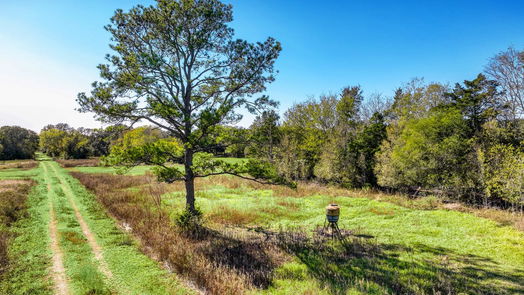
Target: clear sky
[49,49]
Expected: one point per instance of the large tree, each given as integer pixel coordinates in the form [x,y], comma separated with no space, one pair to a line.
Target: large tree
[177,65]
[17,143]
[68,143]
[507,68]
[478,101]
[101,140]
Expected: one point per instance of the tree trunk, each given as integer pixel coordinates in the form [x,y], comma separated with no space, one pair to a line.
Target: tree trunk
[190,181]
[270,144]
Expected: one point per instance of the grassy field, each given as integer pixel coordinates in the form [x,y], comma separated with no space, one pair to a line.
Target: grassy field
[137,170]
[256,239]
[389,248]
[14,173]
[29,257]
[97,257]
[417,249]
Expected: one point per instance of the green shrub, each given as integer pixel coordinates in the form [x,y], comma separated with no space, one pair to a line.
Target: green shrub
[503,173]
[188,220]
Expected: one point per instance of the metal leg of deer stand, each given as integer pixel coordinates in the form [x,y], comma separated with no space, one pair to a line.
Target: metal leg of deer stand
[333,229]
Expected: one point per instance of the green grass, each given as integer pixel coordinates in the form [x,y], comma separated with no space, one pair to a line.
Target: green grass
[393,249]
[18,173]
[138,170]
[419,247]
[79,261]
[133,272]
[29,253]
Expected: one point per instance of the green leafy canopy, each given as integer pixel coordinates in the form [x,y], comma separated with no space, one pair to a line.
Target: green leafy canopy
[177,66]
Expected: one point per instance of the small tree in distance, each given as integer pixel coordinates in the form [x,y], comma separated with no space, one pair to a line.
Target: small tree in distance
[265,134]
[17,143]
[177,66]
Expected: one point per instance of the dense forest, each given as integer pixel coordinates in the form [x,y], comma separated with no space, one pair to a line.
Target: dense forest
[463,141]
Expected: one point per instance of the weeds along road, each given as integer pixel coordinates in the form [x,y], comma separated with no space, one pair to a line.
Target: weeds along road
[90,254]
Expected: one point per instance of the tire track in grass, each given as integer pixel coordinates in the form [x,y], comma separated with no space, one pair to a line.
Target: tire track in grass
[95,248]
[58,269]
[130,271]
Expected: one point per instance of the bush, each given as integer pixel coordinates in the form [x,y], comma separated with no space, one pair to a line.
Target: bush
[503,173]
[189,220]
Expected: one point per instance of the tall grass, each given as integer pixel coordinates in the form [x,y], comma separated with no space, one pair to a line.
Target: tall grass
[218,262]
[18,164]
[237,256]
[13,197]
[306,189]
[92,280]
[94,162]
[28,243]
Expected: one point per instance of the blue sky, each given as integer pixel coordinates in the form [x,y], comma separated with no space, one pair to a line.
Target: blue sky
[49,49]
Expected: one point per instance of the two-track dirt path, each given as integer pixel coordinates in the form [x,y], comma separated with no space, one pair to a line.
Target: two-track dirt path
[84,240]
[57,182]
[95,248]
[58,271]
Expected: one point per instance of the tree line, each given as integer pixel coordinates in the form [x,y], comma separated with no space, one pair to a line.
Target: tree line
[64,141]
[58,141]
[177,66]
[17,143]
[464,141]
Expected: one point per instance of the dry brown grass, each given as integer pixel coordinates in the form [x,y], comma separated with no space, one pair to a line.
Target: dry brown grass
[229,260]
[519,223]
[13,196]
[221,262]
[305,189]
[275,211]
[289,205]
[11,184]
[503,217]
[94,162]
[74,237]
[231,216]
[29,164]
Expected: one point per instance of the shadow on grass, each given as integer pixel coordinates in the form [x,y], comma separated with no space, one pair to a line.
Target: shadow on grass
[246,253]
[358,262]
[222,262]
[386,268]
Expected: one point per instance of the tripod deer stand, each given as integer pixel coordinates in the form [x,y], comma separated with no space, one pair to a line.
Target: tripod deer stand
[331,222]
